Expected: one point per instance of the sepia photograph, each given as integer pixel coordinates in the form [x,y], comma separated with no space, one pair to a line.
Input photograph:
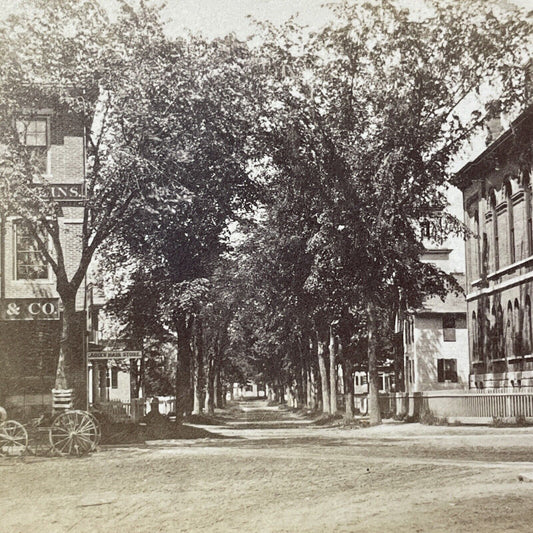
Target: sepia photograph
[266,265]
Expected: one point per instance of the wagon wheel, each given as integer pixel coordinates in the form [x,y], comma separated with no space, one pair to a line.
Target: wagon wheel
[73,433]
[13,438]
[98,429]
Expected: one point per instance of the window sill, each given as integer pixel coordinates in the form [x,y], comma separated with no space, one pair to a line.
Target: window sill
[32,281]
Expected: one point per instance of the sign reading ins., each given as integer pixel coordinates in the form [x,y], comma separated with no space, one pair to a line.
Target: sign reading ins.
[114,354]
[66,193]
[29,309]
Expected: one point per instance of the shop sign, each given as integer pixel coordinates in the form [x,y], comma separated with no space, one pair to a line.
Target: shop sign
[114,354]
[29,309]
[66,193]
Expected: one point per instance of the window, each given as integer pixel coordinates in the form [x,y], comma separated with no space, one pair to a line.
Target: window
[510,221]
[499,336]
[29,260]
[114,377]
[448,328]
[527,327]
[33,133]
[509,332]
[477,259]
[447,370]
[495,231]
[410,370]
[475,337]
[527,206]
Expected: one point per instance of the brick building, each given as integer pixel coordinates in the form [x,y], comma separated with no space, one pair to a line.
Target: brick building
[29,305]
[497,197]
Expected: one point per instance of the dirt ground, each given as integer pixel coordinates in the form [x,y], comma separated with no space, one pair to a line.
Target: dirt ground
[276,472]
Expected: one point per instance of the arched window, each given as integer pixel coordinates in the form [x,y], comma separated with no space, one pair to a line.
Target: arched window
[510,220]
[475,336]
[526,337]
[509,330]
[495,236]
[517,330]
[476,251]
[493,352]
[500,344]
[527,208]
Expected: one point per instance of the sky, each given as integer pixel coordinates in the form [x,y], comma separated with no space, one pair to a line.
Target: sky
[215,18]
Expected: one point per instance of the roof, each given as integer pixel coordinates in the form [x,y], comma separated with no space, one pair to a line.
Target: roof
[463,178]
[453,303]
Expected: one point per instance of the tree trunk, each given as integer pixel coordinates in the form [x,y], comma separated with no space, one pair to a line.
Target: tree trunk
[347,376]
[71,367]
[303,349]
[311,388]
[373,377]
[332,371]
[210,385]
[321,354]
[183,371]
[219,389]
[198,366]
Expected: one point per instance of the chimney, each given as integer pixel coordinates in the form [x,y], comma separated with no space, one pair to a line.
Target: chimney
[494,121]
[528,81]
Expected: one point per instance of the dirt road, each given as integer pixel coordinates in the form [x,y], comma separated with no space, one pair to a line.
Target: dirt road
[277,473]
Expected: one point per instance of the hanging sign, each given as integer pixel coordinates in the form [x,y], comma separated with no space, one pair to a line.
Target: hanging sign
[114,354]
[29,309]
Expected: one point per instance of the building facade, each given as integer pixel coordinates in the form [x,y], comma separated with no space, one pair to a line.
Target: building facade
[109,379]
[497,201]
[29,305]
[435,338]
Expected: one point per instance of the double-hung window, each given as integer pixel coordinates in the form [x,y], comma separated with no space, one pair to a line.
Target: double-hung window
[448,328]
[29,260]
[447,370]
[33,133]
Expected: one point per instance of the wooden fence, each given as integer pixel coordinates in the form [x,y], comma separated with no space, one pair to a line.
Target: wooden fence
[459,405]
[135,409]
[119,411]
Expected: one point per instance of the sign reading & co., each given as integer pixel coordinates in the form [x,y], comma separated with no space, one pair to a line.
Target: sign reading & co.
[29,309]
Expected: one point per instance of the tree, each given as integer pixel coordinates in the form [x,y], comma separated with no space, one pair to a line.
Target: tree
[69,56]
[370,112]
[173,240]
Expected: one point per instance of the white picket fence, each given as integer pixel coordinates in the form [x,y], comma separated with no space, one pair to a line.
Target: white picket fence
[135,409]
[480,405]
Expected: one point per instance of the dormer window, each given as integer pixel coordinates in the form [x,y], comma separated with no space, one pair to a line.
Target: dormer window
[33,133]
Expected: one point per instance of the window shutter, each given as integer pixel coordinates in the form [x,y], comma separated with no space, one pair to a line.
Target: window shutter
[440,370]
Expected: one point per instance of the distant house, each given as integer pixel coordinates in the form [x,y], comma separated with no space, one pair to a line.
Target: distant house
[435,339]
[109,379]
[497,194]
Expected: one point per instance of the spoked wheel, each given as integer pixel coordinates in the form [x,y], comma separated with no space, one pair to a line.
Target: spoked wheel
[98,430]
[13,438]
[73,433]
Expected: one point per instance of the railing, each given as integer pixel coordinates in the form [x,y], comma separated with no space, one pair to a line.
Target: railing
[119,411]
[459,404]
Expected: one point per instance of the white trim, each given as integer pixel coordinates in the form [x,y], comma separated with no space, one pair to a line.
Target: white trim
[500,286]
[504,270]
